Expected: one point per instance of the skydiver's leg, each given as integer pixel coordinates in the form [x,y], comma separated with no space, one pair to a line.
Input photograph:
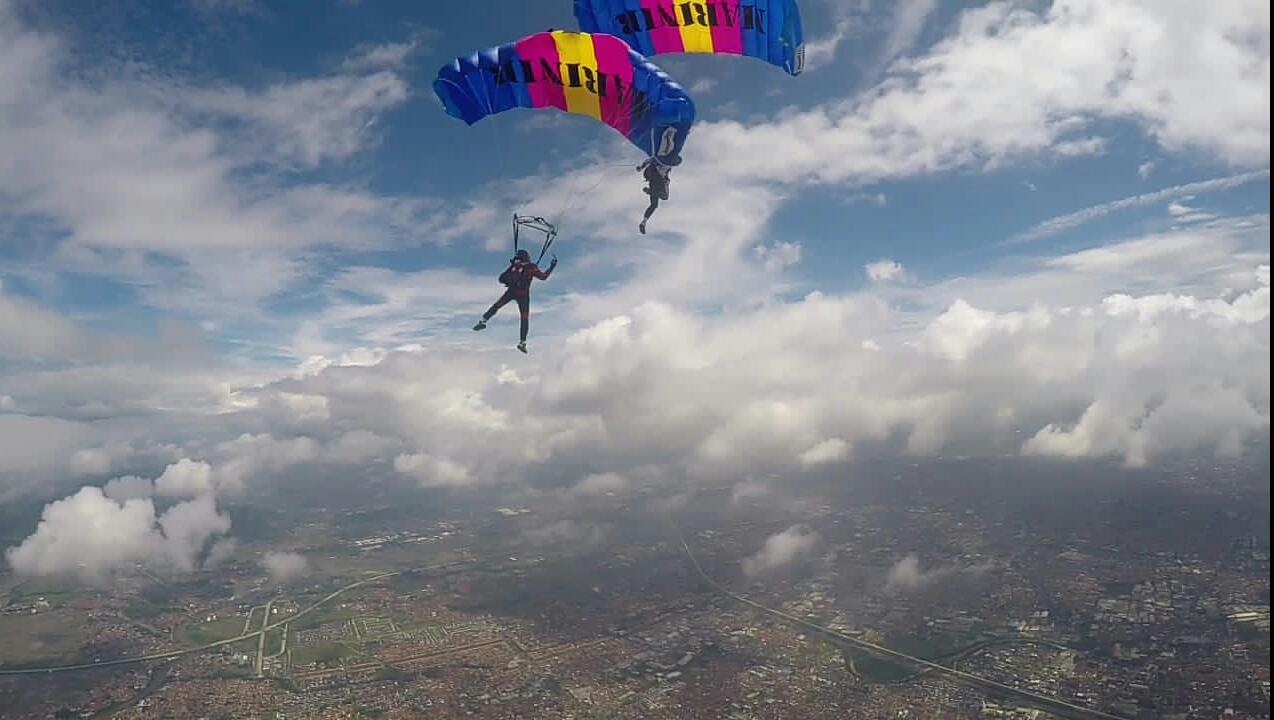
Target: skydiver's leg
[650,210]
[495,308]
[524,305]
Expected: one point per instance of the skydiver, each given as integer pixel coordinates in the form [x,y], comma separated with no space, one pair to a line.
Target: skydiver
[657,175]
[518,278]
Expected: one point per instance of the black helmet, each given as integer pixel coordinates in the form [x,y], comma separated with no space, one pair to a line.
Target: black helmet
[522,255]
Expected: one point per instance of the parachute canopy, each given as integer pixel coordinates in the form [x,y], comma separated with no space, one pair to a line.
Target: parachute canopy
[769,30]
[594,75]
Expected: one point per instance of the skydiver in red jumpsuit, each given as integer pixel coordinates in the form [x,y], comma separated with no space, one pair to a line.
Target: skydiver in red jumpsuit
[518,279]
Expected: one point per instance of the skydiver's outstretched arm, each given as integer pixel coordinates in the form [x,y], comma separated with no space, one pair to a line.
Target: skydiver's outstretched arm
[539,274]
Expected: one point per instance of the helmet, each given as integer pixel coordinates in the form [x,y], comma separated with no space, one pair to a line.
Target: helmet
[522,255]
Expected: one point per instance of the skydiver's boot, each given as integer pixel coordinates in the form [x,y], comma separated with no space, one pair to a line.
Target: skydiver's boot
[522,347]
[482,325]
[642,227]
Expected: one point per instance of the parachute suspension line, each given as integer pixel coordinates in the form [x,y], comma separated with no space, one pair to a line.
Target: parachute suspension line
[572,199]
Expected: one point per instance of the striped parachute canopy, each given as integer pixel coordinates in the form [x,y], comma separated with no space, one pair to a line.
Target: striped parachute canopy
[595,75]
[768,30]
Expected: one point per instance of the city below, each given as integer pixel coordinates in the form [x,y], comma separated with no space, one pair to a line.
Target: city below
[957,589]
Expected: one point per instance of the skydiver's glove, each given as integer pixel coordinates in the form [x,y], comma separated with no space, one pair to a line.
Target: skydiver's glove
[554,263]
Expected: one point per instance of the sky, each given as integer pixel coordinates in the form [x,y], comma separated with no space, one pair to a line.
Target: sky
[240,240]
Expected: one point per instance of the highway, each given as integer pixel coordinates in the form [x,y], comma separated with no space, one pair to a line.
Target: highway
[1053,705]
[261,639]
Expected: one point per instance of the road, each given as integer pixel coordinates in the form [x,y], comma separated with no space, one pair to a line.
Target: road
[261,638]
[1053,705]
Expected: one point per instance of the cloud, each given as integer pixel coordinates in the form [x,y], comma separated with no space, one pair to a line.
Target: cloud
[1145,169]
[32,448]
[184,191]
[774,258]
[1090,354]
[825,452]
[284,567]
[1010,81]
[377,57]
[306,122]
[568,531]
[821,52]
[1183,214]
[780,550]
[221,551]
[1062,223]
[90,461]
[430,471]
[748,490]
[885,271]
[599,484]
[185,478]
[92,537]
[392,309]
[29,331]
[702,86]
[852,367]
[907,576]
[128,487]
[906,25]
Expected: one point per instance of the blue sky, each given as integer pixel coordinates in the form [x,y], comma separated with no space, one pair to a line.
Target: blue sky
[937,224]
[237,238]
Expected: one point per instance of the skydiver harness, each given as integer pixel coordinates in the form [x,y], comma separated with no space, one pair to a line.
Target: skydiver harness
[658,175]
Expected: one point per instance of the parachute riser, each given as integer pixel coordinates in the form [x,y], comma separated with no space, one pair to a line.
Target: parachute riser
[534,223]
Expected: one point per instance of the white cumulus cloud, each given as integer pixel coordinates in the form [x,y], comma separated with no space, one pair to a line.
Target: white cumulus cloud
[91,537]
[780,550]
[284,567]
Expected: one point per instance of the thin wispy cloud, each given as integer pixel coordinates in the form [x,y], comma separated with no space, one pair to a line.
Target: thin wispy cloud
[1069,221]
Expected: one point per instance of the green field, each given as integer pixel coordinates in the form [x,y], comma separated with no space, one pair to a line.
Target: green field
[55,591]
[50,637]
[273,642]
[328,613]
[328,653]
[204,633]
[929,646]
[875,669]
[142,609]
